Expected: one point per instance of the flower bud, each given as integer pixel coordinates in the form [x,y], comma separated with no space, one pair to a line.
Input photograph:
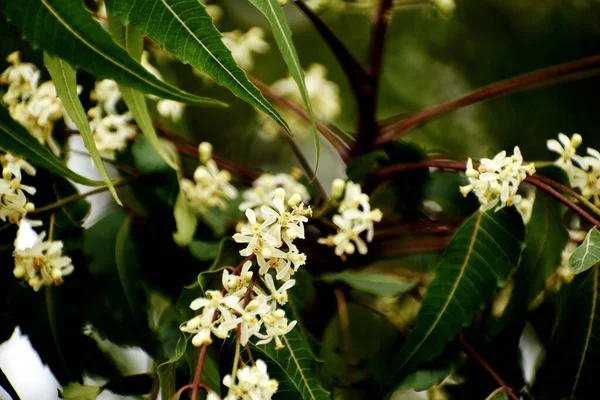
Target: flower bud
[337,188]
[279,193]
[29,207]
[294,200]
[205,150]
[266,252]
[576,140]
[282,2]
[290,234]
[279,314]
[56,274]
[350,248]
[201,175]
[202,338]
[19,272]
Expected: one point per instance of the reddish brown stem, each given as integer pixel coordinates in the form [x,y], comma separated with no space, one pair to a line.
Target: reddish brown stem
[384,174]
[198,373]
[471,352]
[511,85]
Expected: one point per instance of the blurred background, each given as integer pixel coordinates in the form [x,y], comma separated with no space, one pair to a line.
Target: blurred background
[428,59]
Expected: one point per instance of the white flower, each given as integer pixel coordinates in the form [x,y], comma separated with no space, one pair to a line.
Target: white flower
[243,45]
[22,80]
[496,181]
[42,264]
[233,283]
[210,189]
[263,190]
[12,166]
[567,149]
[112,132]
[251,317]
[170,109]
[276,325]
[107,94]
[252,383]
[279,294]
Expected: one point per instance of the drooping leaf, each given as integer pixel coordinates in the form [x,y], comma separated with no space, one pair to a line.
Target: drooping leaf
[587,254]
[15,138]
[429,375]
[205,251]
[479,257]
[65,80]
[166,370]
[296,366]
[132,40]
[570,369]
[77,391]
[185,29]
[186,221]
[65,29]
[273,11]
[372,282]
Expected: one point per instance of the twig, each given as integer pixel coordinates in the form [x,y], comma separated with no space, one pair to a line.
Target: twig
[198,373]
[367,124]
[570,192]
[78,196]
[385,173]
[355,73]
[471,351]
[511,85]
[341,146]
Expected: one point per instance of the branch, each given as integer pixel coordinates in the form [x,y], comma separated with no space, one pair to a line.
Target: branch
[384,174]
[198,374]
[355,73]
[471,351]
[497,89]
[332,137]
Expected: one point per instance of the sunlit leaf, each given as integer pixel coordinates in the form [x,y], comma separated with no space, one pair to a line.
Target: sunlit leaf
[587,254]
[372,282]
[77,391]
[70,32]
[65,80]
[185,29]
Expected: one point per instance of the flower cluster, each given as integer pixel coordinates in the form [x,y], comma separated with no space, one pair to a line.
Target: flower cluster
[583,172]
[43,264]
[111,128]
[14,205]
[211,187]
[496,181]
[252,383]
[324,97]
[263,189]
[243,46]
[34,105]
[251,299]
[354,217]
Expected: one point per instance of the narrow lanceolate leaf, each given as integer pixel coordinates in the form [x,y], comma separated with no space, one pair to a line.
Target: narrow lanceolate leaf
[64,28]
[15,138]
[273,11]
[574,356]
[588,254]
[479,258]
[185,29]
[166,370]
[296,364]
[372,282]
[65,80]
[133,41]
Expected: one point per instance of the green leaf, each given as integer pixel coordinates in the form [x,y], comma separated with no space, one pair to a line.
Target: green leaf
[372,282]
[273,11]
[132,385]
[587,254]
[574,355]
[71,33]
[133,41]
[186,221]
[205,251]
[77,391]
[360,167]
[501,395]
[185,29]
[166,370]
[15,138]
[65,80]
[478,259]
[297,365]
[429,375]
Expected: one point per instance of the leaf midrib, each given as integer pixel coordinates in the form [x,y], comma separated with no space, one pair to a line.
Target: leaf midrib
[452,292]
[192,34]
[304,380]
[588,335]
[89,45]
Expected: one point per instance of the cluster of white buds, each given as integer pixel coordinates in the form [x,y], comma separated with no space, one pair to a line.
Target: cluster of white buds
[243,301]
[583,172]
[210,187]
[111,128]
[324,96]
[263,189]
[166,108]
[35,106]
[14,205]
[496,181]
[43,264]
[243,46]
[252,383]
[354,217]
